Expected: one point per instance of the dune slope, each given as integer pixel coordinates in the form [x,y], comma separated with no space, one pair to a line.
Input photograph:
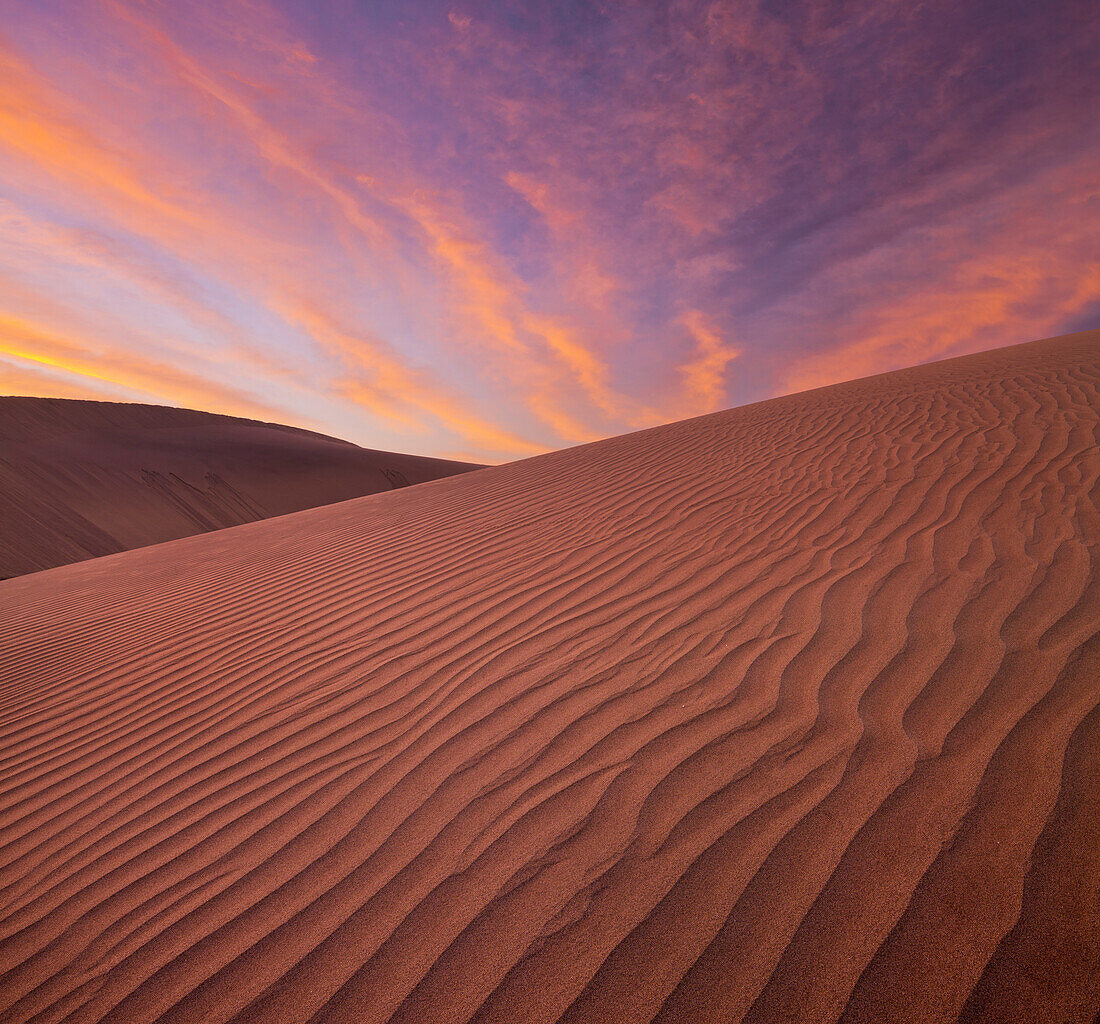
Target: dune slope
[788,713]
[80,479]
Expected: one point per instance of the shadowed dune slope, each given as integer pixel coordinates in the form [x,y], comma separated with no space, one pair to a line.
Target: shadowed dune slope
[788,713]
[81,479]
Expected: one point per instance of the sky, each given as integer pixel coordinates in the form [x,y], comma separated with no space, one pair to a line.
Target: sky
[487,230]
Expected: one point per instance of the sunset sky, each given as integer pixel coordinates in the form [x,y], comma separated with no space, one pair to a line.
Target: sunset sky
[485,230]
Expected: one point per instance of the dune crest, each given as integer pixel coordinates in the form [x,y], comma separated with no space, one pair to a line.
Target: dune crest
[787,713]
[82,479]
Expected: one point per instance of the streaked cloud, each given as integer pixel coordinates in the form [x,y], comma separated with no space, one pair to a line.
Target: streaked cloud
[118,371]
[498,229]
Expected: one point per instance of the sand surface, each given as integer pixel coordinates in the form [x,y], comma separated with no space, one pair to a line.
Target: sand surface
[82,479]
[788,713]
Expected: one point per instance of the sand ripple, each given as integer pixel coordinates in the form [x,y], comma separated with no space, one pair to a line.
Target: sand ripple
[788,713]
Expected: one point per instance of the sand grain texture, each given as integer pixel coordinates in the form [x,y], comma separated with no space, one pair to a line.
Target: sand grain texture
[788,713]
[82,479]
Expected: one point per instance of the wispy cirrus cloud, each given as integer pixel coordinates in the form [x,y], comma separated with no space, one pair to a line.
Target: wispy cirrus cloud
[1032,262]
[497,229]
[119,372]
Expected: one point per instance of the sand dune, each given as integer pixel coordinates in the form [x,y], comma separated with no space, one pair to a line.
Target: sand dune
[788,713]
[81,479]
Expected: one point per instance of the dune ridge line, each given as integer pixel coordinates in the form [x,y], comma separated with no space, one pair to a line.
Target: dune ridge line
[81,479]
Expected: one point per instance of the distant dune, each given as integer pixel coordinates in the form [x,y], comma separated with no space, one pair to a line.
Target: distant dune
[81,479]
[788,713]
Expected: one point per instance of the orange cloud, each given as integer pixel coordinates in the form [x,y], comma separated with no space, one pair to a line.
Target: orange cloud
[29,343]
[58,145]
[557,375]
[704,375]
[35,125]
[543,356]
[470,237]
[392,388]
[275,146]
[39,127]
[388,387]
[1038,266]
[41,382]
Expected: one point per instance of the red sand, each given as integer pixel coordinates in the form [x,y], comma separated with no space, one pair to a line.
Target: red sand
[81,479]
[788,713]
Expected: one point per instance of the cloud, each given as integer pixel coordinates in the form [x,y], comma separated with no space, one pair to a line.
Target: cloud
[704,375]
[390,388]
[1017,269]
[537,226]
[124,373]
[42,382]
